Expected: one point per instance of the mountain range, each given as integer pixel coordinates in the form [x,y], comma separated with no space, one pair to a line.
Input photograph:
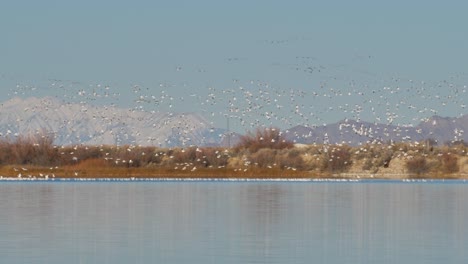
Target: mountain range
[440,130]
[82,123]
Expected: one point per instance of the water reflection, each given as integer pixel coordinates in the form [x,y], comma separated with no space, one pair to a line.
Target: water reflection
[232,223]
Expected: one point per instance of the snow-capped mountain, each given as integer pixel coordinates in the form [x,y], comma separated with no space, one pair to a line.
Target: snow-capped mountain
[81,123]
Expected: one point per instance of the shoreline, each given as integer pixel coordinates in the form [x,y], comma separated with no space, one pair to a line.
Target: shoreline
[238,180]
[11,173]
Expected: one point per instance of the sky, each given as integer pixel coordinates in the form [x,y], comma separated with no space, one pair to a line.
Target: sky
[257,62]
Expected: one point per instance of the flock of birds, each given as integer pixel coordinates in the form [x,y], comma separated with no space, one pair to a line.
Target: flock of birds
[249,104]
[328,93]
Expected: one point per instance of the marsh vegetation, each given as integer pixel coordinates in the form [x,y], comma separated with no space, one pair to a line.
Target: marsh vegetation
[263,153]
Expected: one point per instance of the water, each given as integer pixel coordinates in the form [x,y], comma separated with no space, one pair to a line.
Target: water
[222,222]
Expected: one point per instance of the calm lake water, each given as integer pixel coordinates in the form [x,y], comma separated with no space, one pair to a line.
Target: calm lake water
[233,222]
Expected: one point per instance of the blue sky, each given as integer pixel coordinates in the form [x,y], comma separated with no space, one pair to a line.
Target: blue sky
[199,53]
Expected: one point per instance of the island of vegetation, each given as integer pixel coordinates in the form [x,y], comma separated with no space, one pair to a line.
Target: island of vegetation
[264,153]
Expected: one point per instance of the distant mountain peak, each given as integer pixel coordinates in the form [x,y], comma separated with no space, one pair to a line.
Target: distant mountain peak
[81,123]
[442,129]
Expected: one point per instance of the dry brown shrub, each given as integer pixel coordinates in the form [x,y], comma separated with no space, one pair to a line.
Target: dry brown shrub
[147,156]
[132,156]
[5,153]
[417,165]
[22,151]
[264,157]
[380,158]
[263,138]
[215,157]
[290,158]
[385,158]
[449,163]
[337,159]
[29,150]
[71,155]
[368,164]
[400,147]
[204,157]
[186,155]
